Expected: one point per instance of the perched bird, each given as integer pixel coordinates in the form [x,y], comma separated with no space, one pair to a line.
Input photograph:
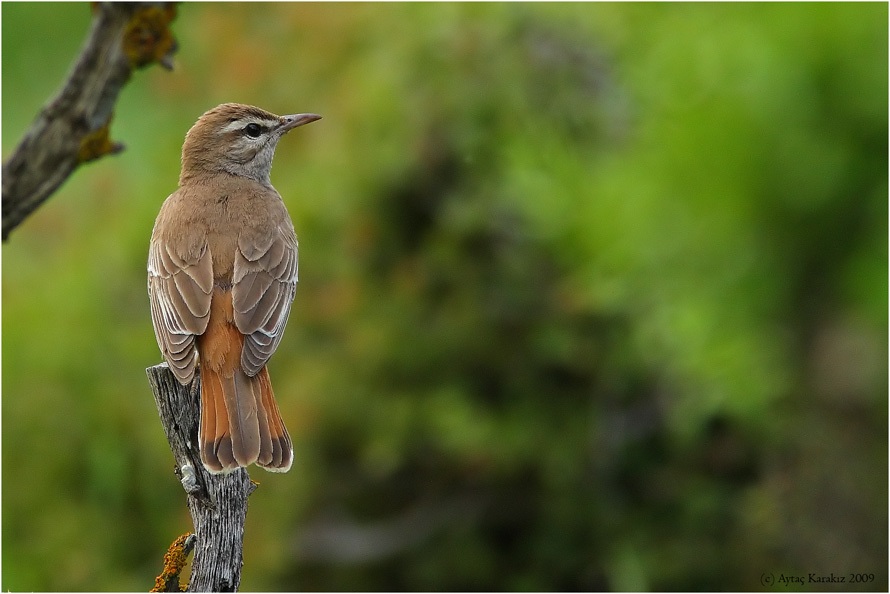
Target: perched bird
[222,273]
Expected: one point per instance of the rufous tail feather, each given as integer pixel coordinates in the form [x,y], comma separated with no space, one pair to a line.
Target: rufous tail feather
[240,423]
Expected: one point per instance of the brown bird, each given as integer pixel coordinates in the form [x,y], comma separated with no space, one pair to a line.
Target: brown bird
[222,273]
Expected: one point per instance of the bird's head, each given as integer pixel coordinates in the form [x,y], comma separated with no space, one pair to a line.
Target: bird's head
[237,139]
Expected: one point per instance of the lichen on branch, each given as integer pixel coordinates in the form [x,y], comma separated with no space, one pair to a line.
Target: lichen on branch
[73,127]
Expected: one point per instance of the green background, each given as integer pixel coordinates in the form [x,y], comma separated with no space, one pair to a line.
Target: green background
[591,297]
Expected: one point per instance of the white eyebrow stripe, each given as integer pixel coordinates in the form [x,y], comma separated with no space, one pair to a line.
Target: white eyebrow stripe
[240,123]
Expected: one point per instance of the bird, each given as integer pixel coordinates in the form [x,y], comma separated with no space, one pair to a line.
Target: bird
[222,275]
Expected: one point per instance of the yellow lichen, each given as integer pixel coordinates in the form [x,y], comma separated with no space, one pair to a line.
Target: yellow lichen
[148,37]
[174,562]
[97,144]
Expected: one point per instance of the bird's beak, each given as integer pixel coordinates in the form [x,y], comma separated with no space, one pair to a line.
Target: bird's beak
[289,122]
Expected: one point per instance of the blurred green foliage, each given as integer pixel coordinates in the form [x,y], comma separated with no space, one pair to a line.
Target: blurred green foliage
[592,297]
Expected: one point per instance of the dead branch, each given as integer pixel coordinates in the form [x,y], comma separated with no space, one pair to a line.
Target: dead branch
[73,128]
[217,502]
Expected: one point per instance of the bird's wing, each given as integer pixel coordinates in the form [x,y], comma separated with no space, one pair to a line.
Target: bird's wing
[179,288]
[265,281]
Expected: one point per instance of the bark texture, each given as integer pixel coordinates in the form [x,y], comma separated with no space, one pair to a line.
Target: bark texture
[217,502]
[73,127]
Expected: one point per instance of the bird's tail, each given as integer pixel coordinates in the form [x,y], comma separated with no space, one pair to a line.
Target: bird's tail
[240,423]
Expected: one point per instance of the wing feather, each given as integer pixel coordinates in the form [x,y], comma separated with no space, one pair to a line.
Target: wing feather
[265,281]
[179,289]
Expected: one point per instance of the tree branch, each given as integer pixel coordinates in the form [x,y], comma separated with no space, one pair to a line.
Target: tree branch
[217,502]
[73,127]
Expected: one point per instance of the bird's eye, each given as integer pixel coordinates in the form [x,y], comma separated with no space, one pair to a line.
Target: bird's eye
[253,130]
